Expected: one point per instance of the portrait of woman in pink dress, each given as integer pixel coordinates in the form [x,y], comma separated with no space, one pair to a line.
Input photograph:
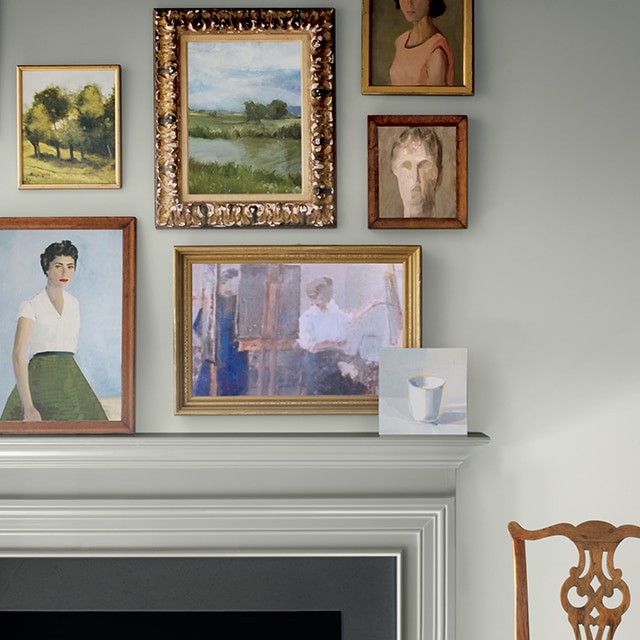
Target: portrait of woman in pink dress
[423,56]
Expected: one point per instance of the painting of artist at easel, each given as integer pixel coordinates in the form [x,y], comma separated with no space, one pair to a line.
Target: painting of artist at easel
[301,329]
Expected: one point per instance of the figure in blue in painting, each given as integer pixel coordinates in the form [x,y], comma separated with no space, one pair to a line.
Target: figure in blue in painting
[221,367]
[232,370]
[50,384]
[203,380]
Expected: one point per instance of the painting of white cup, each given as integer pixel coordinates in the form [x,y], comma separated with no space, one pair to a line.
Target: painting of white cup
[425,397]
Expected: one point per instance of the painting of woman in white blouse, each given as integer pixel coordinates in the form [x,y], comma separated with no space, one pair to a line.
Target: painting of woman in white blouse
[49,382]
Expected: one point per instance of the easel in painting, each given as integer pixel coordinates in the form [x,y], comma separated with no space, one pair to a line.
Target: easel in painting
[269,300]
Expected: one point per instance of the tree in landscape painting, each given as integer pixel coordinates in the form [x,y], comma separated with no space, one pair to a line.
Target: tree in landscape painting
[69,135]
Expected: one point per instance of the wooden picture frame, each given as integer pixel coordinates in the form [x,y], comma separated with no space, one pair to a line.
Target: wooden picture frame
[250,340]
[240,141]
[417,169]
[69,134]
[397,60]
[79,384]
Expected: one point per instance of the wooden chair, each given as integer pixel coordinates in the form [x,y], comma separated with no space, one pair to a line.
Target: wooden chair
[593,579]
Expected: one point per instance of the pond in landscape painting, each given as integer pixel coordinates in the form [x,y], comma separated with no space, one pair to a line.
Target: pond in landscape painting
[280,156]
[245,116]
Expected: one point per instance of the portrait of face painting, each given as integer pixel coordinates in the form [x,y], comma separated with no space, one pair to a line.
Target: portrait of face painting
[61,324]
[417,172]
[292,329]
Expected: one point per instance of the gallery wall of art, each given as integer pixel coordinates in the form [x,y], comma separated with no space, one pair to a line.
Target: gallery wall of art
[540,288]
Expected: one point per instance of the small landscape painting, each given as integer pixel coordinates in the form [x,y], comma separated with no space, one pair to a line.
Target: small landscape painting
[69,127]
[423,391]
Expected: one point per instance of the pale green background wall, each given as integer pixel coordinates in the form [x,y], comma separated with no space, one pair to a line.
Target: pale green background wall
[542,288]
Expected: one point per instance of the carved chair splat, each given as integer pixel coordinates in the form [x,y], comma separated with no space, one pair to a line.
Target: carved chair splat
[593,579]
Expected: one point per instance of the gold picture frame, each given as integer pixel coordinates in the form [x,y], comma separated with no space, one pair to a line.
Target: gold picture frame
[69,134]
[417,168]
[81,378]
[290,329]
[396,58]
[240,141]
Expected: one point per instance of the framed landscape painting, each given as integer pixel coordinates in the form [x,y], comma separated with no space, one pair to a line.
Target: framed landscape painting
[69,127]
[417,172]
[275,329]
[67,335]
[417,47]
[244,118]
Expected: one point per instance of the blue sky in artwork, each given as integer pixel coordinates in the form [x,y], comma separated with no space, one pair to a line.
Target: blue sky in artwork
[223,75]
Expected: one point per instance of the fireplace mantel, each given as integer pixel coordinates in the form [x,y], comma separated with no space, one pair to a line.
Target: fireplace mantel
[203,465]
[200,495]
[151,450]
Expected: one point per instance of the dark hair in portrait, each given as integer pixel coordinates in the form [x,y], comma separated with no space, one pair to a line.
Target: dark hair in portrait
[436,7]
[64,248]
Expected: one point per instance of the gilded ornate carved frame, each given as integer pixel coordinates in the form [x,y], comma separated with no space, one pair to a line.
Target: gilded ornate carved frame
[196,55]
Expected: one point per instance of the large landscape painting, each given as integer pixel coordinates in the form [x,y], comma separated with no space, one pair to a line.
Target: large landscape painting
[244,117]
[244,121]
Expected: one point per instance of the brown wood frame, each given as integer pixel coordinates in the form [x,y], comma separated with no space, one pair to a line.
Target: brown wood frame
[127,225]
[382,180]
[382,23]
[406,258]
[174,205]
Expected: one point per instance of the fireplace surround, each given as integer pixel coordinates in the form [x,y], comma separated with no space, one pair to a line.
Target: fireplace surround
[282,496]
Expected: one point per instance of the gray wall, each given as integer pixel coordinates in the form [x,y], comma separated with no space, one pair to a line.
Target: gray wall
[541,288]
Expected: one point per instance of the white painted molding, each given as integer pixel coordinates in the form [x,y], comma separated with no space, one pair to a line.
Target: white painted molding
[196,451]
[418,533]
[209,495]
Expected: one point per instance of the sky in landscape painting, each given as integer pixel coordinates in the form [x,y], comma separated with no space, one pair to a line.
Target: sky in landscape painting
[224,75]
[71,79]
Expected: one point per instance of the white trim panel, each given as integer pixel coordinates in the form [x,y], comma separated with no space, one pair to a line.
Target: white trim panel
[417,532]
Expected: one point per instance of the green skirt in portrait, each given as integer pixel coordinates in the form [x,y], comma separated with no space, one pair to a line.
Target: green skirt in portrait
[59,391]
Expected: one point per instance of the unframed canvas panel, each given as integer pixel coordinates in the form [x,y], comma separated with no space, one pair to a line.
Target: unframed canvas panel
[423,391]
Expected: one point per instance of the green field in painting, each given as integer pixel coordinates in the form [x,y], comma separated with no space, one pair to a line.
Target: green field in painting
[235,125]
[258,166]
[212,177]
[49,169]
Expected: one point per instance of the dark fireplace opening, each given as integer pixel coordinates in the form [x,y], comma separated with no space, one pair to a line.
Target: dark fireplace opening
[358,595]
[240,625]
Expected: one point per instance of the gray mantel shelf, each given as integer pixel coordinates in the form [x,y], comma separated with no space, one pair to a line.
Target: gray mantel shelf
[155,451]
